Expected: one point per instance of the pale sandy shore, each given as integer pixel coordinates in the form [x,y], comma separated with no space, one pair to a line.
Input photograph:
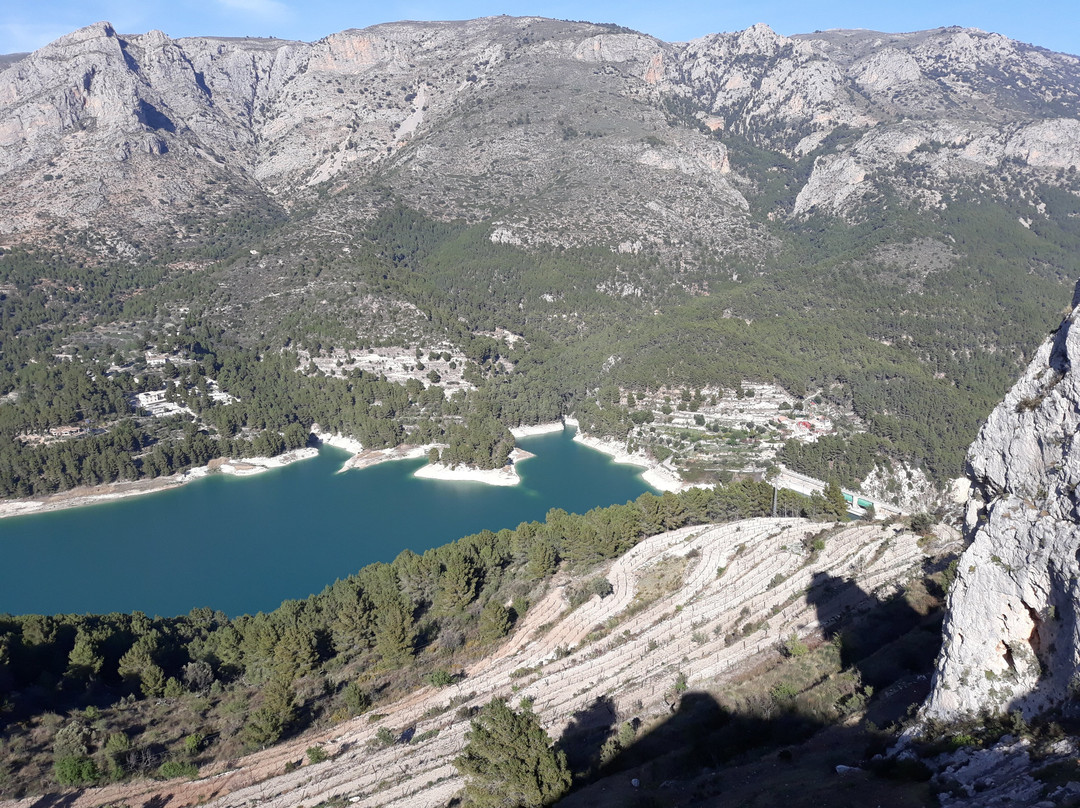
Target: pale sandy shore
[248,466]
[93,495]
[507,475]
[437,471]
[366,458]
[537,429]
[657,475]
[339,440]
[666,479]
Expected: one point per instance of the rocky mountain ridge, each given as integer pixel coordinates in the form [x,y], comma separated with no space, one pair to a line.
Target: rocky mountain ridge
[1012,635]
[576,133]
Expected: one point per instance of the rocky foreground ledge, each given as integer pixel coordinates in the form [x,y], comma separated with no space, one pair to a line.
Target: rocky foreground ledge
[1012,634]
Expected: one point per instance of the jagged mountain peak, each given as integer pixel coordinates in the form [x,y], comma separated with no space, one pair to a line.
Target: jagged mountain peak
[96,30]
[489,117]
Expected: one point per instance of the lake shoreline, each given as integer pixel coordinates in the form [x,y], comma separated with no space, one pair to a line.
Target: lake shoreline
[84,495]
[537,429]
[507,475]
[656,475]
[659,476]
[242,547]
[366,458]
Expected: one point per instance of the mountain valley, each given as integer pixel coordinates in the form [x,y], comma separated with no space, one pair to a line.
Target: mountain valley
[829,254]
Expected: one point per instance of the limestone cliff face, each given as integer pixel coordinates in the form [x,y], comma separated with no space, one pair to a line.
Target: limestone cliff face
[1012,634]
[571,133]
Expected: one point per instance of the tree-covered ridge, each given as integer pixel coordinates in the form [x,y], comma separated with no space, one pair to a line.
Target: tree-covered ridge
[336,653]
[683,226]
[914,320]
[918,355]
[271,401]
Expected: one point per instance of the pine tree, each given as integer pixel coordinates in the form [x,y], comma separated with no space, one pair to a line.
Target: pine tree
[268,723]
[835,502]
[85,660]
[542,559]
[458,582]
[494,622]
[395,631]
[351,628]
[509,760]
[137,666]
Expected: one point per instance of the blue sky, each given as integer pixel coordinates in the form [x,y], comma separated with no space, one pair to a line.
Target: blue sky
[26,24]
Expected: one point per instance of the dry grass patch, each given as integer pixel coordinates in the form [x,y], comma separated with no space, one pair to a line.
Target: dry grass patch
[812,684]
[658,580]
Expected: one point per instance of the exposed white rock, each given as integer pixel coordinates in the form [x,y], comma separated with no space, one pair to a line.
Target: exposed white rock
[616,48]
[101,131]
[1048,144]
[906,487]
[1012,633]
[833,182]
[887,70]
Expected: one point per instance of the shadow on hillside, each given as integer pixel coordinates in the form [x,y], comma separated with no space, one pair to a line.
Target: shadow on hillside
[56,800]
[858,621]
[685,759]
[63,800]
[589,729]
[707,755]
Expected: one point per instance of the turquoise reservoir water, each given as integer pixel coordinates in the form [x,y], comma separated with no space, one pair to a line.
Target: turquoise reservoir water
[243,545]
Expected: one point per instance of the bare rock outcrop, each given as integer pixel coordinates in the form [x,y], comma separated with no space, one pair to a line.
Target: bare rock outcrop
[1012,634]
[581,134]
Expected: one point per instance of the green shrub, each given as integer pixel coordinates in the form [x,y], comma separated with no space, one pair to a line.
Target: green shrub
[784,692]
[962,740]
[118,751]
[193,743]
[316,754]
[921,522]
[440,677]
[357,700]
[794,647]
[601,586]
[265,727]
[177,768]
[75,771]
[495,622]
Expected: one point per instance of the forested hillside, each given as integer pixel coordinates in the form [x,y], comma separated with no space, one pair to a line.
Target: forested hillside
[579,208]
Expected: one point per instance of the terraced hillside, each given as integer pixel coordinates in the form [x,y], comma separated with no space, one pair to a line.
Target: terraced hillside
[704,602]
